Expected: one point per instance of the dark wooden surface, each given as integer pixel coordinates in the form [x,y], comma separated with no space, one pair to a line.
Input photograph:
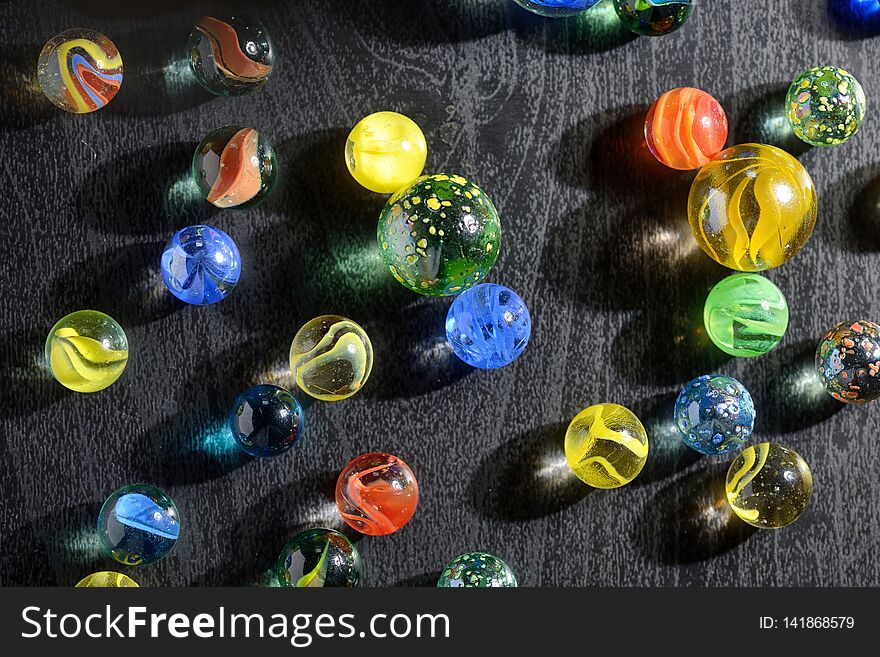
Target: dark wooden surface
[545,116]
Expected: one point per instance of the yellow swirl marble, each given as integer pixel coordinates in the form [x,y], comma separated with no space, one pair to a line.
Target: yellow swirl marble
[752,207]
[87,351]
[606,446]
[769,486]
[331,358]
[106,579]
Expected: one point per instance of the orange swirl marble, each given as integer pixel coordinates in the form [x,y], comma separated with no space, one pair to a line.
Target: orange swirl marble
[752,207]
[377,494]
[685,128]
[238,179]
[227,52]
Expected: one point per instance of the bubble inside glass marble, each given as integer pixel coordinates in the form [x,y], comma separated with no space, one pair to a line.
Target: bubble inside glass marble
[488,326]
[331,357]
[319,558]
[477,570]
[80,70]
[769,486]
[86,351]
[138,525]
[606,446]
[201,265]
[745,315]
[715,414]
[234,167]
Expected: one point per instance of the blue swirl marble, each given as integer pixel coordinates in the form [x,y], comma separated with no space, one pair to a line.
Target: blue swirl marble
[201,265]
[715,414]
[488,326]
[138,524]
[556,8]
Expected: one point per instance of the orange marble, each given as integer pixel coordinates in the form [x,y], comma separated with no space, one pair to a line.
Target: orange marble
[685,128]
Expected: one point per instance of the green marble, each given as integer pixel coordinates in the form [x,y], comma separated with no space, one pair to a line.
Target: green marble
[745,315]
[653,17]
[825,106]
[477,570]
[440,235]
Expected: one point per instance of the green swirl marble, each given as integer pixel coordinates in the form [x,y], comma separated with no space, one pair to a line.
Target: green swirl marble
[745,315]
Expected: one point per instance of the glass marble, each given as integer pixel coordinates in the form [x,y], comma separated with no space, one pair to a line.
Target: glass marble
[106,579]
[752,207]
[440,235]
[488,326]
[654,17]
[320,557]
[266,420]
[201,265]
[606,446]
[745,315]
[234,167]
[769,486]
[715,414]
[825,106]
[377,494]
[556,8]
[859,16]
[87,351]
[80,70]
[230,56]
[477,570]
[138,525]
[685,128]
[386,151]
[331,358]
[848,362]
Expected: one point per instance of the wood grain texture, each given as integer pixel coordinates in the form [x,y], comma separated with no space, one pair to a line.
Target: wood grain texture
[546,117]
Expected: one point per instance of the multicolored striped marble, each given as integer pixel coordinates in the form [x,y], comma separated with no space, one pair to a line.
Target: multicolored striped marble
[80,70]
[685,128]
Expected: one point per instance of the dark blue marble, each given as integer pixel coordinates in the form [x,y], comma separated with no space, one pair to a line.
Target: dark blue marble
[266,420]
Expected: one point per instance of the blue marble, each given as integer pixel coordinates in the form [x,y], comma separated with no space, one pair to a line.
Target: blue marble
[556,7]
[201,265]
[266,420]
[488,326]
[138,525]
[861,17]
[715,414]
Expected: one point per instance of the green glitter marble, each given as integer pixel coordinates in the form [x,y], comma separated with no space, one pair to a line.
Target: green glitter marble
[440,235]
[745,315]
[653,17]
[825,106]
[477,570]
